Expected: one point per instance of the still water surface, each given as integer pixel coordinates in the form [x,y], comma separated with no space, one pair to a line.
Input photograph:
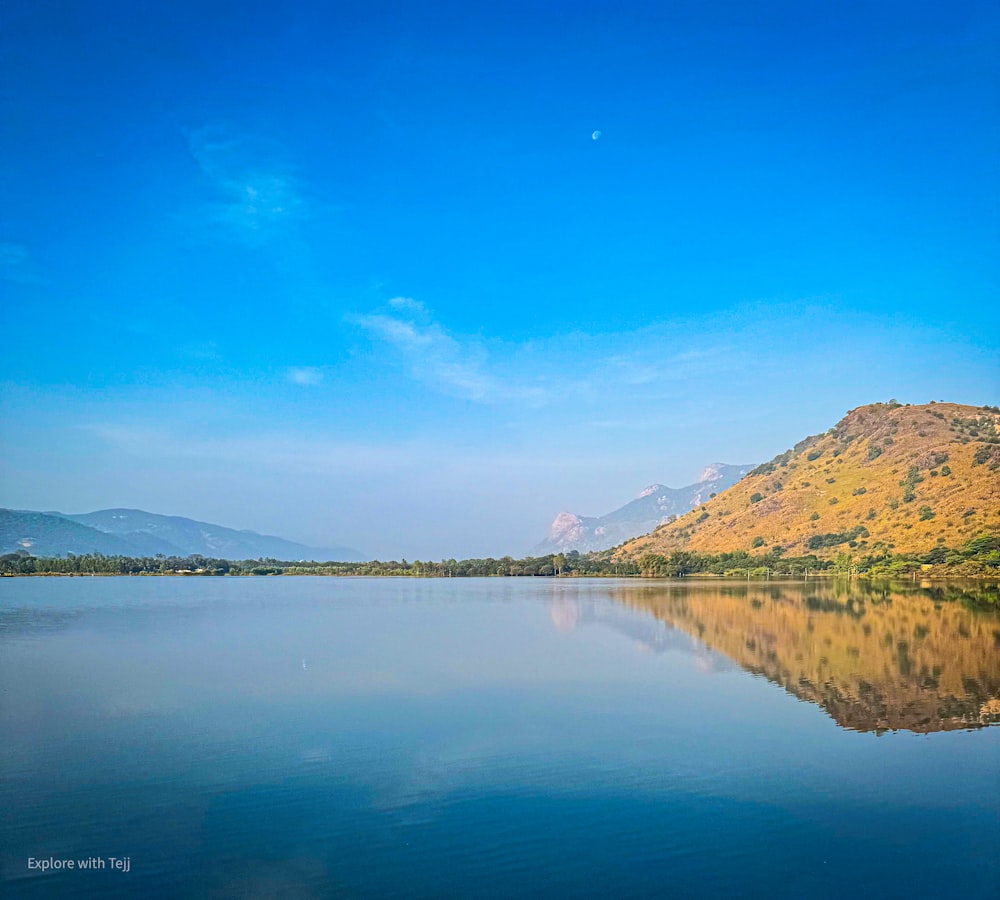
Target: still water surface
[315,737]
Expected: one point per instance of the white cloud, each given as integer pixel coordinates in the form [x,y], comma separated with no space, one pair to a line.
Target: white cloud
[306,376]
[458,367]
[647,363]
[403,334]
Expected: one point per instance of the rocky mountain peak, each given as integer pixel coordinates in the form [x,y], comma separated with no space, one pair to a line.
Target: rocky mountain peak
[654,506]
[565,527]
[712,472]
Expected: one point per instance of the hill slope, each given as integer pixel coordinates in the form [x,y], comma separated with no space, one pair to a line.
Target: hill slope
[44,534]
[652,507]
[134,532]
[886,477]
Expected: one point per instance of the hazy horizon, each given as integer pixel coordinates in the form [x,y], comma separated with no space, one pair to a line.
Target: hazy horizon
[414,279]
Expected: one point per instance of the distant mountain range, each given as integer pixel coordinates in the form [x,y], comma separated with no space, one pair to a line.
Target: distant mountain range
[886,478]
[654,506]
[134,532]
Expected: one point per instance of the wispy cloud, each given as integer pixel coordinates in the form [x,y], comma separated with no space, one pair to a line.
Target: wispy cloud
[16,264]
[407,303]
[460,367]
[651,359]
[646,363]
[254,192]
[304,376]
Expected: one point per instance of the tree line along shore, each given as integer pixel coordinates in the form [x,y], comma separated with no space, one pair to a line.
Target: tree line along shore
[978,557]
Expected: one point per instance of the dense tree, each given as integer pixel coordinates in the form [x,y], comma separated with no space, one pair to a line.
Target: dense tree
[979,556]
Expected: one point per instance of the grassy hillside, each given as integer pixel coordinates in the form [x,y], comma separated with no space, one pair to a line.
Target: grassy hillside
[905,479]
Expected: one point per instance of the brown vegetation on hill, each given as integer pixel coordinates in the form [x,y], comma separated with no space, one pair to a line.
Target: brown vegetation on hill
[887,477]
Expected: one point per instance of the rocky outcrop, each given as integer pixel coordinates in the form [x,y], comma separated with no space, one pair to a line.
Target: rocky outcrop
[653,506]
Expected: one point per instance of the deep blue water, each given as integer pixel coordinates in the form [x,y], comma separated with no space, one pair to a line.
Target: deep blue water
[315,737]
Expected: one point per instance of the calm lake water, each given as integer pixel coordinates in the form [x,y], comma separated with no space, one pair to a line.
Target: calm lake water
[315,737]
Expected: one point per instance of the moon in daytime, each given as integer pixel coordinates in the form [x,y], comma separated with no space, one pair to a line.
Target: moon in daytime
[596,136]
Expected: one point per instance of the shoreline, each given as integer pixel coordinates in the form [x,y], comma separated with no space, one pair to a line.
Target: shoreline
[698,576]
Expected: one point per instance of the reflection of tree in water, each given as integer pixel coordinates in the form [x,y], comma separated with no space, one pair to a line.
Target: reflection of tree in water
[874,658]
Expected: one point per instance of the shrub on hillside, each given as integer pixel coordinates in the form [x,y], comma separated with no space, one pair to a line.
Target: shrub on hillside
[818,541]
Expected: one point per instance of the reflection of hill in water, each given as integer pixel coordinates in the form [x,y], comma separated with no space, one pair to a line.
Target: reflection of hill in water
[873,659]
[569,611]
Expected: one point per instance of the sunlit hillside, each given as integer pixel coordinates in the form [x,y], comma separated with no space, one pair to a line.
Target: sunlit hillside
[886,477]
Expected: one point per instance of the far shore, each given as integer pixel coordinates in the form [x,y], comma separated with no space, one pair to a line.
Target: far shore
[698,576]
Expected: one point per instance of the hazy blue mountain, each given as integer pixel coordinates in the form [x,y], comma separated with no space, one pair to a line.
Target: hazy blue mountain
[45,534]
[652,507]
[135,532]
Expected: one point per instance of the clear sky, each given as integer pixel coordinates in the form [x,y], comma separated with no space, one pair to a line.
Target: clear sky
[367,274]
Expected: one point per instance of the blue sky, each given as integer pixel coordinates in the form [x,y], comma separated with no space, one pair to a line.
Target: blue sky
[360,273]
